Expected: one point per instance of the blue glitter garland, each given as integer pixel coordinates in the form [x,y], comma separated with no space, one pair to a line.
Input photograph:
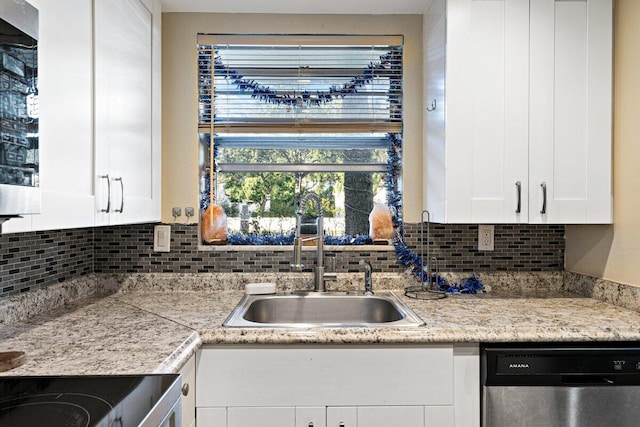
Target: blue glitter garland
[306,98]
[404,254]
[469,286]
[286,239]
[413,261]
[394,165]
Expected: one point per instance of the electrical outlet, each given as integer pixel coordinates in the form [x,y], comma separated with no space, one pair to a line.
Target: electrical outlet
[189,212]
[176,212]
[485,237]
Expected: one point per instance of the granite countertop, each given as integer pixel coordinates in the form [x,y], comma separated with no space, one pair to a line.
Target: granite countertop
[144,331]
[459,318]
[99,336]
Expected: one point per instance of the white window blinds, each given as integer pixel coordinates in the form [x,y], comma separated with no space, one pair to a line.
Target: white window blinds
[300,93]
[280,83]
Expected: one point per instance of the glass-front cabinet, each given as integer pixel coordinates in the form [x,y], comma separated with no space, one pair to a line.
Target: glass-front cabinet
[19,160]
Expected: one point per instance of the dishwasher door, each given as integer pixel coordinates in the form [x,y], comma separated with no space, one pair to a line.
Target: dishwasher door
[567,406]
[555,385]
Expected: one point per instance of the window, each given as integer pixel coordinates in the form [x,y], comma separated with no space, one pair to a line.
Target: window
[280,116]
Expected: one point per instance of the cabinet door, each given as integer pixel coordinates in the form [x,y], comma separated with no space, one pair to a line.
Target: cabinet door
[123,112]
[311,416]
[188,373]
[487,110]
[318,375]
[444,416]
[263,417]
[342,416]
[211,417]
[570,111]
[65,101]
[434,168]
[381,416]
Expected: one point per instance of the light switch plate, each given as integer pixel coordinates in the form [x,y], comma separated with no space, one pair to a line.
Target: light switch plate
[162,238]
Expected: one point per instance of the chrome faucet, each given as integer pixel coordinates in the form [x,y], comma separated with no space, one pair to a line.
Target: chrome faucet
[368,283]
[319,275]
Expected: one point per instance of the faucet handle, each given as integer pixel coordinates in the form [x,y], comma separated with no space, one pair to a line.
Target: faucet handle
[296,262]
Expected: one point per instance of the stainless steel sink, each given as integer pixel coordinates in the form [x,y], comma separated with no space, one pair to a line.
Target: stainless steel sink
[321,310]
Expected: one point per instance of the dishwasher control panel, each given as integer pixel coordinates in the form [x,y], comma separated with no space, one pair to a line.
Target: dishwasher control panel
[559,363]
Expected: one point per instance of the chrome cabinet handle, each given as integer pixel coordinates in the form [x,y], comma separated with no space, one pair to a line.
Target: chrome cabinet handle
[519,191]
[121,194]
[543,211]
[108,208]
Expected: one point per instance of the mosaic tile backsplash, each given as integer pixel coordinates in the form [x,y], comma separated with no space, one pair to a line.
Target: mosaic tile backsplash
[37,259]
[33,260]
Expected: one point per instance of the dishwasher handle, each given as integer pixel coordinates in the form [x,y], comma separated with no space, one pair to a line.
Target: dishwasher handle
[587,380]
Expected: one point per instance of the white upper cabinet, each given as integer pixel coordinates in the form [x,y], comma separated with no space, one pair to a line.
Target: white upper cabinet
[65,84]
[522,98]
[126,144]
[99,102]
[570,111]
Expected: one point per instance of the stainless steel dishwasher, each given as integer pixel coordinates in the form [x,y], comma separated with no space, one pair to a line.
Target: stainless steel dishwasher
[560,385]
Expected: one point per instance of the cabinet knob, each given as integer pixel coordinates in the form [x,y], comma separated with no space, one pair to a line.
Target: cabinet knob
[185,389]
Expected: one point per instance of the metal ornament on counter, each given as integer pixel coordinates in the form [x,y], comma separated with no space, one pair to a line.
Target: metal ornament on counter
[428,289]
[432,285]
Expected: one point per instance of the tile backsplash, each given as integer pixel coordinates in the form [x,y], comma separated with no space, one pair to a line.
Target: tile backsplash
[41,258]
[37,259]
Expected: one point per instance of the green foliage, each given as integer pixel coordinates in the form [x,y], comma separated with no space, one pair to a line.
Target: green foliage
[273,192]
[230,209]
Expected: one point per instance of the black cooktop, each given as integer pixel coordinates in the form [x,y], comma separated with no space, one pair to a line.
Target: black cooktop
[80,401]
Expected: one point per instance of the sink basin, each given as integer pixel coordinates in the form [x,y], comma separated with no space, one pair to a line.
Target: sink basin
[326,310]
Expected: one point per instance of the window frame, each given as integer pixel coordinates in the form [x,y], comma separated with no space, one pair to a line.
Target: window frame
[395,128]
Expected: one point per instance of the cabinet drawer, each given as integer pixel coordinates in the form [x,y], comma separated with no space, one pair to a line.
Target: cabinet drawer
[405,416]
[324,375]
[263,417]
[211,417]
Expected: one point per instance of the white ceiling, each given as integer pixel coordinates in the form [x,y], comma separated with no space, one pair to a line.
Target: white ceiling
[366,7]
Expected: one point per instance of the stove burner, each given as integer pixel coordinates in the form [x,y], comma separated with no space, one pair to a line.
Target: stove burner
[80,401]
[46,414]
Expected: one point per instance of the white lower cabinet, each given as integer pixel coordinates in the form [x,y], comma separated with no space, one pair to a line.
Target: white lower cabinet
[263,417]
[188,373]
[332,416]
[376,416]
[435,385]
[311,417]
[211,417]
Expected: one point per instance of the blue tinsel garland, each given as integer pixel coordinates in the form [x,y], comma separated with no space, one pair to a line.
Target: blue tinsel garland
[306,98]
[412,260]
[286,239]
[403,253]
[394,165]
